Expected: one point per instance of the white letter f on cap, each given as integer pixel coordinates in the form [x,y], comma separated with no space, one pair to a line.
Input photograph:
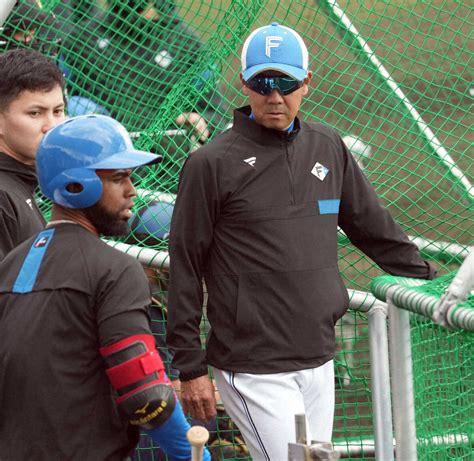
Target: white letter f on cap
[272,42]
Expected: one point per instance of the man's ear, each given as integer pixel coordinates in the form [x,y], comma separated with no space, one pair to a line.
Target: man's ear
[307,82]
[245,89]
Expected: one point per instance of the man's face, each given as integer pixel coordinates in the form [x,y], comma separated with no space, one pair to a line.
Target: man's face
[275,110]
[26,120]
[111,214]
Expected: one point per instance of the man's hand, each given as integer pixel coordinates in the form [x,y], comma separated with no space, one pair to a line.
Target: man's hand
[196,122]
[198,398]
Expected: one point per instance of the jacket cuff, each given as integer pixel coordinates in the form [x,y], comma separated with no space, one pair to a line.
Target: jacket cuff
[192,374]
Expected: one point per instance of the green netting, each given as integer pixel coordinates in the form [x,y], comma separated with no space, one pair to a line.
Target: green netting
[443,383]
[413,139]
[443,369]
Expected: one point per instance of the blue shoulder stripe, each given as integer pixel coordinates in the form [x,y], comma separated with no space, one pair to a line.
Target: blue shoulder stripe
[29,270]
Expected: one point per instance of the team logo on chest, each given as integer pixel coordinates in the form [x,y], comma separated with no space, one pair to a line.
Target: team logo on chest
[250,161]
[320,171]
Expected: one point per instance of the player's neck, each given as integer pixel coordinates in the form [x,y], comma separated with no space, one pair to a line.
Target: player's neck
[74,216]
[19,158]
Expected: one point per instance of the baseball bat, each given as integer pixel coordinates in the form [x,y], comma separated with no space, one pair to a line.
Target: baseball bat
[197,436]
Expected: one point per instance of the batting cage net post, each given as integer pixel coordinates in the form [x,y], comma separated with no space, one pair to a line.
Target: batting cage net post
[402,382]
[432,403]
[394,78]
[380,382]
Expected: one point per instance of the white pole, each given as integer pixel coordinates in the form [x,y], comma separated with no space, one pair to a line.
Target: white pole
[402,381]
[147,256]
[435,144]
[380,382]
[5,8]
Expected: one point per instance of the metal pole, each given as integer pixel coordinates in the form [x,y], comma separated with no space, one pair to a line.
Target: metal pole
[402,381]
[380,379]
[147,256]
[5,8]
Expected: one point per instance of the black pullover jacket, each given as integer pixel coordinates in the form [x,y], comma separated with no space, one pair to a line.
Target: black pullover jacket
[20,217]
[257,215]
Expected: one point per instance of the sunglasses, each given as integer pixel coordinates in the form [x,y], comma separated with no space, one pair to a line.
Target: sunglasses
[265,85]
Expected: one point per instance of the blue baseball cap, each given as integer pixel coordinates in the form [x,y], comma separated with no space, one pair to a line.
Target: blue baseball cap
[274,47]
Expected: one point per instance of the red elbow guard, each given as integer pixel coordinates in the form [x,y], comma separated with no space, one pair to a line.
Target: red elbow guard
[137,373]
[133,359]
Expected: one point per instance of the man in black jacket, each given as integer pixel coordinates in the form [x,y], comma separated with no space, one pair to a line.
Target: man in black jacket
[256,216]
[31,103]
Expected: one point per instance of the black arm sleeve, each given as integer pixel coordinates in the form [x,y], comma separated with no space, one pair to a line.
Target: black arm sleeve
[371,228]
[123,304]
[191,235]
[123,325]
[8,226]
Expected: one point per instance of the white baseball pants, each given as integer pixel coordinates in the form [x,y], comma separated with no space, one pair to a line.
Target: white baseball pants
[264,407]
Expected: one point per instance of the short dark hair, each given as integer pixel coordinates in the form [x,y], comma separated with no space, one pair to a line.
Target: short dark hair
[26,70]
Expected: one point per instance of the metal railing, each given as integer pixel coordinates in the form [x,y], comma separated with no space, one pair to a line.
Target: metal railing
[389,348]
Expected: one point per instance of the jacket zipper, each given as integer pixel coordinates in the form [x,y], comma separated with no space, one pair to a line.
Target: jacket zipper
[290,175]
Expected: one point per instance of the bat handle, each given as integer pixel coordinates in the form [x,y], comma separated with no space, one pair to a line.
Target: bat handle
[197,436]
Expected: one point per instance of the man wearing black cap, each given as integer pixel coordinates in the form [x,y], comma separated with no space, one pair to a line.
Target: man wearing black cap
[257,215]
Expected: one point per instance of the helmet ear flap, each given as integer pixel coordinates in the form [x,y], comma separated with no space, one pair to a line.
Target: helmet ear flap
[89,193]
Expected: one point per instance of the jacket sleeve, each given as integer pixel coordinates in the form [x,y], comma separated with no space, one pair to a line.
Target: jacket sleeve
[371,228]
[9,237]
[191,235]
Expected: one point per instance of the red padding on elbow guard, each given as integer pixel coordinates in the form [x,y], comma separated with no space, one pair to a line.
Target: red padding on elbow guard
[138,367]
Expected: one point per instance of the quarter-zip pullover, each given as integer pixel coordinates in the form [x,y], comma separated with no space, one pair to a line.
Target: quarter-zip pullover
[20,217]
[256,216]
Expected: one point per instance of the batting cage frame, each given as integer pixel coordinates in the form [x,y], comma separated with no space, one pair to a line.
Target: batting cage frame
[394,78]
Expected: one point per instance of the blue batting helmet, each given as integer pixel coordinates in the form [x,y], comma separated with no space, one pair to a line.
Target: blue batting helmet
[152,223]
[71,152]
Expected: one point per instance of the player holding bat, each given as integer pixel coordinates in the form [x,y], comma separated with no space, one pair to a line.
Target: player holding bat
[256,216]
[80,373]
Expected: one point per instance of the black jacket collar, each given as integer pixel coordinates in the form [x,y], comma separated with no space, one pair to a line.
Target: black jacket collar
[258,133]
[25,173]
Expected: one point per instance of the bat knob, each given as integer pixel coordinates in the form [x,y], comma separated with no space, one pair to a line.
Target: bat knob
[197,435]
